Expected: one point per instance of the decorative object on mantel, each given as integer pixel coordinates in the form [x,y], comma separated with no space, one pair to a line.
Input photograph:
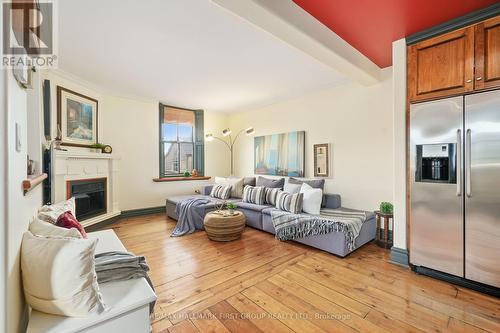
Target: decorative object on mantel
[32,181]
[31,167]
[186,174]
[280,154]
[321,160]
[77,118]
[230,143]
[194,173]
[383,237]
[107,149]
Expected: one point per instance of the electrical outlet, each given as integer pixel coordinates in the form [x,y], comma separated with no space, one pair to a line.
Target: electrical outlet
[18,137]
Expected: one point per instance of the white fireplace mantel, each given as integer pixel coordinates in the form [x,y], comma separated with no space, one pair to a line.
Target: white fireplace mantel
[78,165]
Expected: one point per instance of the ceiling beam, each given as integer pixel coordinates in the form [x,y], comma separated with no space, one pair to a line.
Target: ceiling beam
[288,22]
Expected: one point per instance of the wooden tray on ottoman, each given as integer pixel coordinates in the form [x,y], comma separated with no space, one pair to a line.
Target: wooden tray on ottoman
[222,227]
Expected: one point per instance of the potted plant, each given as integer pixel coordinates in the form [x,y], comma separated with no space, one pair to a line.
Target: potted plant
[231,206]
[386,208]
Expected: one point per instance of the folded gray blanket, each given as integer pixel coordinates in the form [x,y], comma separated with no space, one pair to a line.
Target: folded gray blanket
[191,214]
[290,226]
[121,266]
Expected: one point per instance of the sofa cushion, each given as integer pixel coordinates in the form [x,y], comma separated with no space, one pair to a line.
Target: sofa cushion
[237,185]
[314,183]
[312,199]
[221,192]
[250,181]
[289,202]
[270,195]
[252,206]
[268,210]
[254,194]
[270,182]
[59,275]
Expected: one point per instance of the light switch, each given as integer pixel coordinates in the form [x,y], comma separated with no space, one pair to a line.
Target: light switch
[18,137]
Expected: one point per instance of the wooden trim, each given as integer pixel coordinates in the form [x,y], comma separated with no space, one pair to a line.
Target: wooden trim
[32,181]
[481,54]
[59,116]
[457,23]
[176,179]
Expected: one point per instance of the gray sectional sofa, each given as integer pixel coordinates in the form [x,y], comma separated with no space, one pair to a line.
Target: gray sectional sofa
[259,217]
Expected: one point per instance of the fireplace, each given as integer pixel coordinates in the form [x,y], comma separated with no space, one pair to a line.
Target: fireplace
[90,196]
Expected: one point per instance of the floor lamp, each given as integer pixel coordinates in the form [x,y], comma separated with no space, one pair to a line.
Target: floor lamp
[230,143]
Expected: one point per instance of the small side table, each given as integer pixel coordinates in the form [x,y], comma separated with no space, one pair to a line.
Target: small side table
[222,227]
[384,241]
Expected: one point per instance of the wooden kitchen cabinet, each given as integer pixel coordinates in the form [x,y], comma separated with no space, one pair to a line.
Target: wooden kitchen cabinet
[441,66]
[487,57]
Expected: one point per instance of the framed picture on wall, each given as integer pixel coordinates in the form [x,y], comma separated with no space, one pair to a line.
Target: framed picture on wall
[76,118]
[321,160]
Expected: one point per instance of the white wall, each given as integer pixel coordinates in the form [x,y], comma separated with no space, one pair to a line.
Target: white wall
[356,121]
[20,208]
[130,126]
[399,141]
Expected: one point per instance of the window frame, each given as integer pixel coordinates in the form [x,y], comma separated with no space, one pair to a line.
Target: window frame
[194,141]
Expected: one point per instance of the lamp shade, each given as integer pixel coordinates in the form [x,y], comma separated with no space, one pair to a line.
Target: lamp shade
[209,137]
[226,132]
[250,131]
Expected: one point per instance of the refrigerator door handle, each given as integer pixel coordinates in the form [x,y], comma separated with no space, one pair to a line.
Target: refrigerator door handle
[468,139]
[459,162]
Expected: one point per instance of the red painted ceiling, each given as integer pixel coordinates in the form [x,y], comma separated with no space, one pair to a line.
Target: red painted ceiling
[371,26]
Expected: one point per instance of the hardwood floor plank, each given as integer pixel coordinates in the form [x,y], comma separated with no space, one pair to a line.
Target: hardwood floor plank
[207,322]
[183,327]
[259,284]
[293,319]
[232,319]
[257,315]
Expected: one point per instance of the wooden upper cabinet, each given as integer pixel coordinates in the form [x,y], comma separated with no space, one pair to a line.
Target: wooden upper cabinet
[441,66]
[487,57]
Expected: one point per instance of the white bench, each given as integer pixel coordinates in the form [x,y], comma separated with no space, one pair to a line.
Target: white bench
[128,303]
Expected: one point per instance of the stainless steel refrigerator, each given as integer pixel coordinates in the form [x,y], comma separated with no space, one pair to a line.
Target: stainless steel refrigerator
[455,186]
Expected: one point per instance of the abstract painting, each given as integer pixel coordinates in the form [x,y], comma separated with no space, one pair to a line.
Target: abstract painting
[280,154]
[76,118]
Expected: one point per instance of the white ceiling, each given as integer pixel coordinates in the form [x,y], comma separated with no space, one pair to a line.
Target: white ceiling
[187,53]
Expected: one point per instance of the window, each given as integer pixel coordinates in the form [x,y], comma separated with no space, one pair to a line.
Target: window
[181,141]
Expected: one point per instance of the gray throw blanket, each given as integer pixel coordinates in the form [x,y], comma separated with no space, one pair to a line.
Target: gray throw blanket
[190,213]
[121,266]
[293,226]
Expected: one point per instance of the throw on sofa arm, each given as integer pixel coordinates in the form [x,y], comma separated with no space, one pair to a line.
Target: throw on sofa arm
[205,190]
[331,201]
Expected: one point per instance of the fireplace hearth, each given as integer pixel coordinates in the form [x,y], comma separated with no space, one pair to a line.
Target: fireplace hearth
[90,196]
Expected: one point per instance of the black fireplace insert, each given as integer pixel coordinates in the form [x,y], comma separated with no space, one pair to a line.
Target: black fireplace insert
[90,196]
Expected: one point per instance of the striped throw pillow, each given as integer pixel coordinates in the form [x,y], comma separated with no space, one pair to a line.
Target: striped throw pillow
[271,194]
[221,192]
[254,194]
[289,202]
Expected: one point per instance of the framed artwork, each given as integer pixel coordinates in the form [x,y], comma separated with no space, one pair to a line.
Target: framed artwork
[321,160]
[76,118]
[280,154]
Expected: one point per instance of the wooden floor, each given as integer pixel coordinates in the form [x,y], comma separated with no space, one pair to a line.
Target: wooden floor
[258,284]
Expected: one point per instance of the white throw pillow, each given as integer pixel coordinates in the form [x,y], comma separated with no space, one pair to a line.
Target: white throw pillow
[50,213]
[235,183]
[59,275]
[291,188]
[46,229]
[312,199]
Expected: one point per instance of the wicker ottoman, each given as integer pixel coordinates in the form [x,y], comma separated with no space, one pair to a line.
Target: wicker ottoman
[224,228]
